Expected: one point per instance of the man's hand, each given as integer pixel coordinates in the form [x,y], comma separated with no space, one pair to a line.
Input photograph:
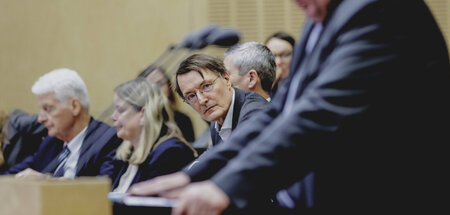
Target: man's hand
[28,173]
[202,198]
[168,186]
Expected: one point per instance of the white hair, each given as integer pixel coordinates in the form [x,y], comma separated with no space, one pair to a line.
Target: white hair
[65,83]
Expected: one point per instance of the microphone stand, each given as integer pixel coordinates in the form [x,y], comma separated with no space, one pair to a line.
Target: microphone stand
[209,35]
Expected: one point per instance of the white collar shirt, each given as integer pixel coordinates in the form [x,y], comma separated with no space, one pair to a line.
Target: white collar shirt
[225,130]
[70,166]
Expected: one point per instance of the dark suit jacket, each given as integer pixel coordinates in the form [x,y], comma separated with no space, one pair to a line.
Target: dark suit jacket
[96,152]
[185,124]
[24,135]
[370,116]
[170,156]
[246,104]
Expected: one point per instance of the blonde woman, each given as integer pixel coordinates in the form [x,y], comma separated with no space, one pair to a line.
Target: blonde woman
[153,144]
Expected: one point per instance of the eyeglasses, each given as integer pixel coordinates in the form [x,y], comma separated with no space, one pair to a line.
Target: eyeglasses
[283,55]
[192,98]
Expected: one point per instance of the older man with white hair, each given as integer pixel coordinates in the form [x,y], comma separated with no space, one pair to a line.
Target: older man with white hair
[77,144]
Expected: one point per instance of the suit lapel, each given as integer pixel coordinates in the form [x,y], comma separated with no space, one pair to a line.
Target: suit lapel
[299,49]
[309,67]
[297,57]
[58,145]
[215,137]
[239,99]
[88,141]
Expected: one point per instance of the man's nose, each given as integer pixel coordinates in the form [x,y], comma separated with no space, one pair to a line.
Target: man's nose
[201,98]
[42,117]
[114,116]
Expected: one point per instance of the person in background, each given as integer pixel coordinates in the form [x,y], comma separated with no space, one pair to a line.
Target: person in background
[204,84]
[77,144]
[153,144]
[251,67]
[366,110]
[281,44]
[158,76]
[22,134]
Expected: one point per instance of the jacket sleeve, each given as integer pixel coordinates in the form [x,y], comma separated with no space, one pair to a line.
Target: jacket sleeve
[214,159]
[355,105]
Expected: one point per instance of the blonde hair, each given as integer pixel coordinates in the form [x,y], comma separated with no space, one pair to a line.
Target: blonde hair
[158,125]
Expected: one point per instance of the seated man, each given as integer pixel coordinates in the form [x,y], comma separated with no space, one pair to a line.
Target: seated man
[251,67]
[203,83]
[76,145]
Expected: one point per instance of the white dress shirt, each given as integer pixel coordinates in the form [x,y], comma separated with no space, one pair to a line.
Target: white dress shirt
[126,179]
[225,130]
[70,166]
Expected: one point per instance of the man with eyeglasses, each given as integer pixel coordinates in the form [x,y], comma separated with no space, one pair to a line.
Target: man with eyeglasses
[204,84]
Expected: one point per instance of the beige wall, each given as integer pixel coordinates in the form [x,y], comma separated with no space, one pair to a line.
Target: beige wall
[106,41]
[111,41]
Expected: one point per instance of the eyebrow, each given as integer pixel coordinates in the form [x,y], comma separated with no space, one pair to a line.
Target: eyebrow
[189,92]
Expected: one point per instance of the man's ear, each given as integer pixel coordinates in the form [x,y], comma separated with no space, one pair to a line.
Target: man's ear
[75,106]
[226,77]
[254,79]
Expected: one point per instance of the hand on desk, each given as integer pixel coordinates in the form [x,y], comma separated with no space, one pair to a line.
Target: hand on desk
[168,186]
[196,198]
[201,198]
[27,173]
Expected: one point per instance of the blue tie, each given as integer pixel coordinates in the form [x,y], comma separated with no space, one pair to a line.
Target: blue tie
[61,161]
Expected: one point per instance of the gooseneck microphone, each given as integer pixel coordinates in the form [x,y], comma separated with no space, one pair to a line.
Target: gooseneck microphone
[224,37]
[209,35]
[196,40]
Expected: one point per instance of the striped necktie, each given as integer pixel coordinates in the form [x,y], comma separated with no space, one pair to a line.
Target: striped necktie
[62,157]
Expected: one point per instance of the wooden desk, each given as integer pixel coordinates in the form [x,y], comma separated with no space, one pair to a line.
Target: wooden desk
[85,195]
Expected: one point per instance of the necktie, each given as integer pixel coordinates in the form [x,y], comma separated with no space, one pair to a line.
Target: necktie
[62,157]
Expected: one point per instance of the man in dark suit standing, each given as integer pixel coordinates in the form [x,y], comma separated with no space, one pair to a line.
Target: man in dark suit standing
[204,84]
[76,145]
[364,109]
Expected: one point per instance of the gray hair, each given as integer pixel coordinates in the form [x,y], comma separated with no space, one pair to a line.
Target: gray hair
[254,55]
[65,83]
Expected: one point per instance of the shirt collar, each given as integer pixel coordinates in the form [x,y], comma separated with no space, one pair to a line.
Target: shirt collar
[228,122]
[75,143]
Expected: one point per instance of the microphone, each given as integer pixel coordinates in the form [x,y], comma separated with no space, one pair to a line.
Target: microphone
[195,40]
[224,37]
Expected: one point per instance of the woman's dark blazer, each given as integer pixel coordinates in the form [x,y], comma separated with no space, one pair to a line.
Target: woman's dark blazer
[168,157]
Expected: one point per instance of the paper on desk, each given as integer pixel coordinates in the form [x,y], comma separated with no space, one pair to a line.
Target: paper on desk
[147,201]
